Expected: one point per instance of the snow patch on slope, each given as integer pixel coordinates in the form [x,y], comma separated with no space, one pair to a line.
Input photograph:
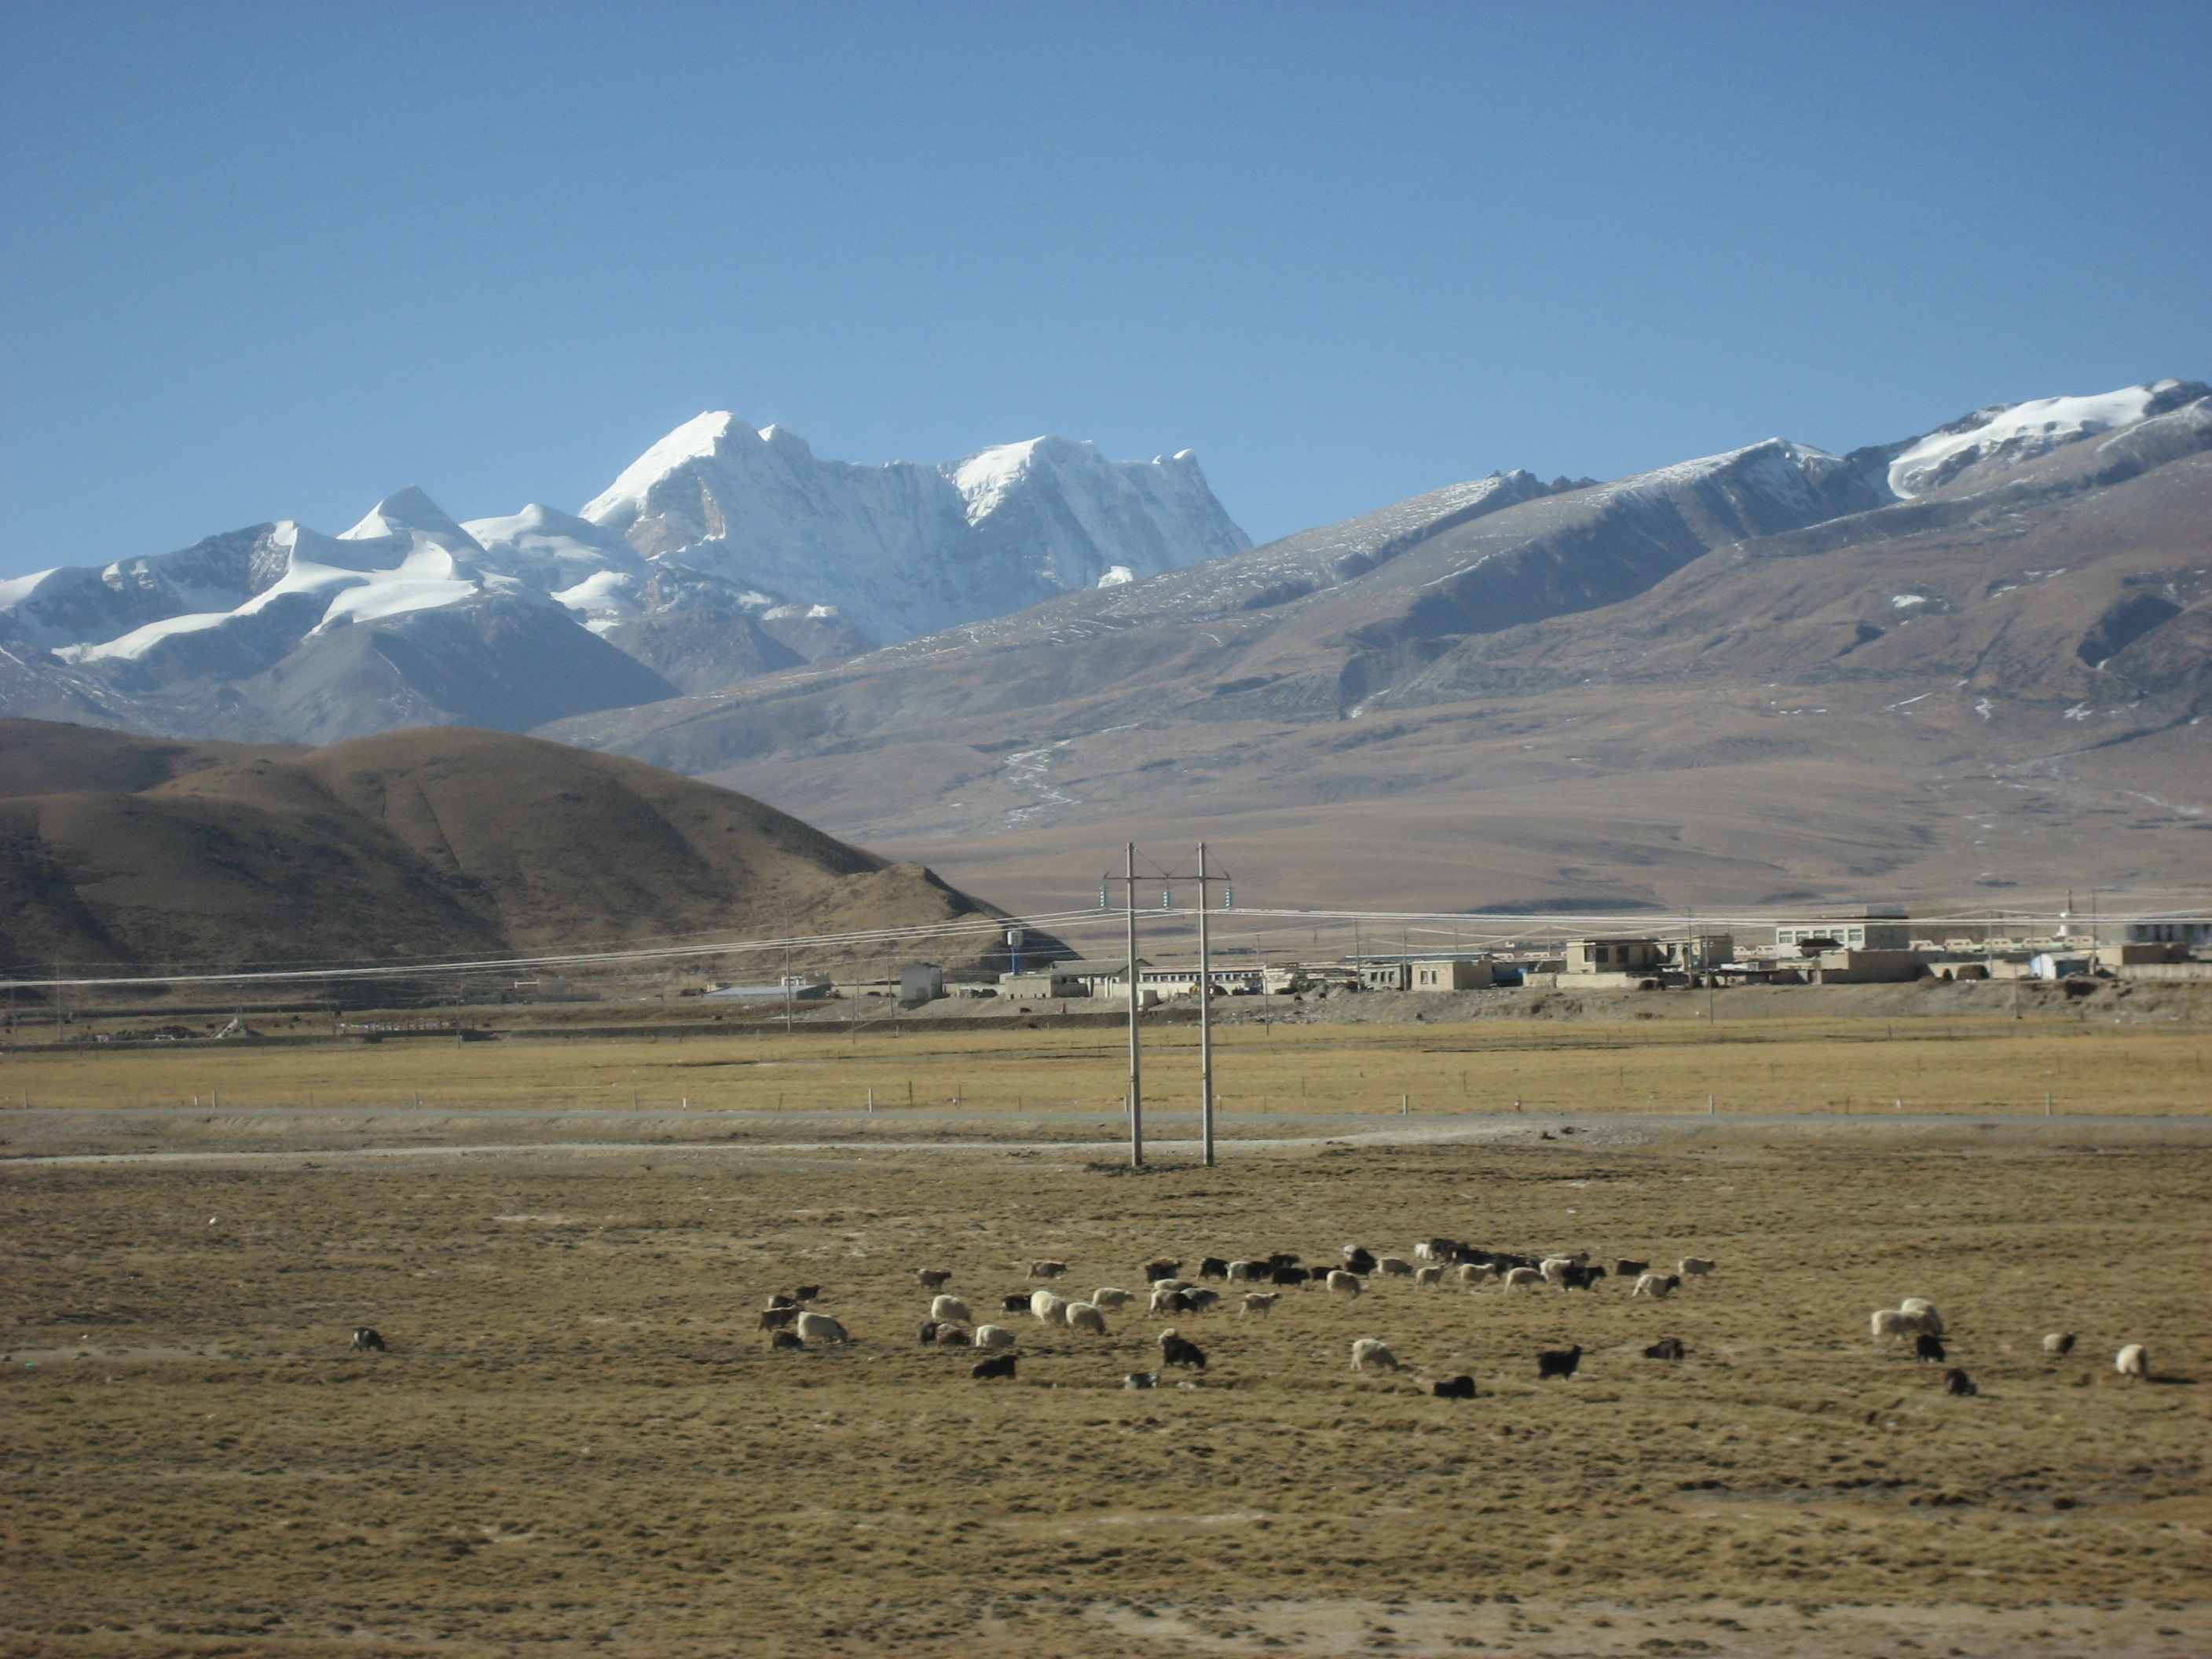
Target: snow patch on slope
[2018,432]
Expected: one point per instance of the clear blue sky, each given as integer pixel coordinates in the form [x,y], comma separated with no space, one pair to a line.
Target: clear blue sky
[275,261]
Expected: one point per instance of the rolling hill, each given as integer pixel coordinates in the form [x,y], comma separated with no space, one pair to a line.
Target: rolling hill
[119,852]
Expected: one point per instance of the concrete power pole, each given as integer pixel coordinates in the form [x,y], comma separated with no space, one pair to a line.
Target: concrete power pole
[1205,1019]
[1136,1064]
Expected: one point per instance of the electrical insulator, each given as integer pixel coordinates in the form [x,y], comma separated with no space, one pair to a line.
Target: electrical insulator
[1229,898]
[1167,897]
[1102,895]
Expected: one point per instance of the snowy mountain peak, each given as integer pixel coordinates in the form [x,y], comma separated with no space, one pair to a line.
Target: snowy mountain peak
[699,438]
[408,512]
[2013,432]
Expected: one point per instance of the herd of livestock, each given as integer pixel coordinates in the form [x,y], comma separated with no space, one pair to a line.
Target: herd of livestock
[952,1321]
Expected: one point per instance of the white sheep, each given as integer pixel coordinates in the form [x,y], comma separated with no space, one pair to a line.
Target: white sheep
[1164,1299]
[2134,1360]
[1431,1276]
[1523,1276]
[1370,1354]
[1554,1268]
[1396,1267]
[1046,1307]
[1200,1300]
[950,1309]
[1112,1297]
[1476,1273]
[1084,1317]
[819,1327]
[2058,1344]
[1259,1302]
[1344,1285]
[1657,1286]
[1249,1273]
[993,1337]
[1888,1325]
[1694,1267]
[1920,1308]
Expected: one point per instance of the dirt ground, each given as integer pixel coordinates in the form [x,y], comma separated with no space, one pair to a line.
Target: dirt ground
[578,1442]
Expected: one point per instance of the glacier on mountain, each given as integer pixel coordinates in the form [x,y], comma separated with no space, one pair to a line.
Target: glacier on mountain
[2012,433]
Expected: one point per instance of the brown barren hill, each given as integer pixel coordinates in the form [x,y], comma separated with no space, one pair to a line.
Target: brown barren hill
[440,843]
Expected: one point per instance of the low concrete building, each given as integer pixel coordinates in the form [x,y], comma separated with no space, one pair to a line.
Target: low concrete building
[1451,973]
[1043,986]
[1386,976]
[1100,978]
[1866,967]
[1872,929]
[1613,956]
[2183,934]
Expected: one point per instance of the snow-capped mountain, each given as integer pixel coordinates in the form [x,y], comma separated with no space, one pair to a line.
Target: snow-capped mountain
[903,549]
[720,554]
[2006,435]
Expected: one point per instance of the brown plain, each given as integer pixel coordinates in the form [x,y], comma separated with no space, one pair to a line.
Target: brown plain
[578,1442]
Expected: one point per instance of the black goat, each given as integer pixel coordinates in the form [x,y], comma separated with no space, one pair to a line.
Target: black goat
[1358,1261]
[1176,1302]
[1928,1350]
[999,1364]
[1624,1268]
[1287,1276]
[1454,1388]
[1558,1362]
[1956,1381]
[1580,1279]
[1180,1351]
[929,1330]
[1162,1268]
[806,1293]
[1213,1267]
[1283,1259]
[1671,1348]
[366,1340]
[1017,1303]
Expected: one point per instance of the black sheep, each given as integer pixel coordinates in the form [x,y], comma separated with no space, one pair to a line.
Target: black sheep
[1163,1268]
[999,1364]
[785,1340]
[1454,1388]
[366,1340]
[1624,1268]
[1213,1267]
[1175,1302]
[1283,1259]
[1956,1381]
[1671,1348]
[928,1333]
[1928,1350]
[806,1293]
[1287,1276]
[1180,1351]
[1558,1362]
[1358,1261]
[1018,1303]
[776,1319]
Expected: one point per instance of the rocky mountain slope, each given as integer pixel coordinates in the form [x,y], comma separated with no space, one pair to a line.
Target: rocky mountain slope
[1969,666]
[721,553]
[119,852]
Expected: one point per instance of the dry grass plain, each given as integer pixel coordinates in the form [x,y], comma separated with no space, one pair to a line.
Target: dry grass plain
[579,1444]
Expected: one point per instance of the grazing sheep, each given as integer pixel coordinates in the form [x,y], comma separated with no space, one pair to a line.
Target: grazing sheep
[1372,1354]
[1247,1272]
[1180,1351]
[1213,1267]
[821,1327]
[1046,1307]
[1474,1272]
[781,1301]
[1553,1269]
[1558,1362]
[927,1334]
[1436,1250]
[1357,1258]
[1082,1316]
[1283,1259]
[1284,1275]
[933,1278]
[1516,1276]
[1259,1302]
[2134,1360]
[1624,1268]
[1166,1300]
[776,1319]
[1657,1286]
[1694,1266]
[1162,1268]
[1580,1279]
[785,1340]
[951,1308]
[1140,1380]
[1393,1267]
[1454,1388]
[993,1337]
[1928,1350]
[1956,1381]
[1014,1302]
[953,1336]
[1344,1285]
[999,1364]
[806,1293]
[1922,1312]
[1112,1297]
[1046,1269]
[1668,1348]
[366,1340]
[1201,1300]
[2058,1344]
[1432,1276]
[1887,1324]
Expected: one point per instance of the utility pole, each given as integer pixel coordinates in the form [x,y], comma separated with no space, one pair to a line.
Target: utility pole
[1205,1021]
[1136,1062]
